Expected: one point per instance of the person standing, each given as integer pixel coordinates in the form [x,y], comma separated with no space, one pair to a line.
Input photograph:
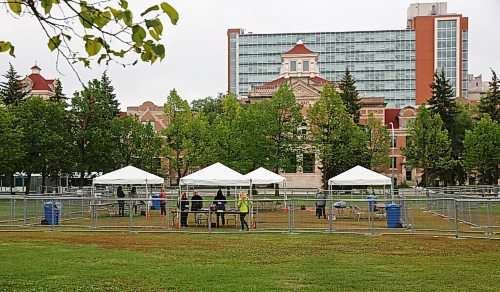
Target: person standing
[243,206]
[163,202]
[121,202]
[133,195]
[184,205]
[196,202]
[320,204]
[220,205]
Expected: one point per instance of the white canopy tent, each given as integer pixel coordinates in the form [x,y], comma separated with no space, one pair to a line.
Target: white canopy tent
[216,174]
[262,176]
[359,176]
[129,175]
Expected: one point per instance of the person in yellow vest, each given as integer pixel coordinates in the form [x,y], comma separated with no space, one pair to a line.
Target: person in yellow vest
[243,207]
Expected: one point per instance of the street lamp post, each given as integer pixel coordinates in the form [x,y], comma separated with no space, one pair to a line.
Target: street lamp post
[392,157]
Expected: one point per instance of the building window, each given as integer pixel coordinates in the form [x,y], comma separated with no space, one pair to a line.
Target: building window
[393,162]
[308,162]
[293,65]
[394,140]
[152,124]
[305,66]
[408,175]
[404,123]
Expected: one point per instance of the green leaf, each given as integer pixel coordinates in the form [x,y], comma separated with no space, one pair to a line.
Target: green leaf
[54,42]
[171,12]
[127,17]
[138,34]
[152,8]
[124,4]
[102,57]
[154,35]
[156,25]
[92,47]
[68,37]
[160,50]
[47,5]
[15,6]
[85,18]
[103,19]
[116,13]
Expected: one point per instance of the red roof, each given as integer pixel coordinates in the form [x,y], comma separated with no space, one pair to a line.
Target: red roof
[39,83]
[35,67]
[299,49]
[274,82]
[319,79]
[391,115]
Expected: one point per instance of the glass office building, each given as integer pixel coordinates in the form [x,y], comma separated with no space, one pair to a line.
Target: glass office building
[397,65]
[383,62]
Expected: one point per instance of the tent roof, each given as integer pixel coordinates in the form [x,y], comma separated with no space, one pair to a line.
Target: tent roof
[128,175]
[262,176]
[216,174]
[359,176]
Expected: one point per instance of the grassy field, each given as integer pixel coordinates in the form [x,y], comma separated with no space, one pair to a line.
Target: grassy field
[149,261]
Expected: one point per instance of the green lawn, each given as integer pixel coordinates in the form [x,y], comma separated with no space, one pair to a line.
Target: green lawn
[130,261]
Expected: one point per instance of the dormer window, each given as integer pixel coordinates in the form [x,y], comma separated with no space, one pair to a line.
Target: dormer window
[293,65]
[305,66]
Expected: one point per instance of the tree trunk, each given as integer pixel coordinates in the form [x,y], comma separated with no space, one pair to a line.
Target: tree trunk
[82,173]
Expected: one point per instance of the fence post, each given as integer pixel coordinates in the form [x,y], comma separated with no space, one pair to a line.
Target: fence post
[52,215]
[25,210]
[130,215]
[289,204]
[456,218]
[330,217]
[489,214]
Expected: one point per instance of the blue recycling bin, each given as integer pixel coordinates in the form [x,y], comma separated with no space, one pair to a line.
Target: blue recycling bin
[47,208]
[156,204]
[393,212]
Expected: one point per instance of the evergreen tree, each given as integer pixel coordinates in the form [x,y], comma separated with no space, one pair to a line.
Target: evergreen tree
[379,144]
[11,90]
[490,102]
[442,101]
[109,93]
[349,95]
[59,95]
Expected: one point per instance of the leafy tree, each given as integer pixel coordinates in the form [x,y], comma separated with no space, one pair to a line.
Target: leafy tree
[138,145]
[11,136]
[44,139]
[227,144]
[186,136]
[211,107]
[108,30]
[92,114]
[429,147]
[379,144]
[341,142]
[350,95]
[482,150]
[11,90]
[284,119]
[490,102]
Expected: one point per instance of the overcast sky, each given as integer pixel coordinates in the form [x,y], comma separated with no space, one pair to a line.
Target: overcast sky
[196,58]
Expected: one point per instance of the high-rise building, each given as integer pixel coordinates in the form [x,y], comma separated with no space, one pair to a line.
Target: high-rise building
[395,64]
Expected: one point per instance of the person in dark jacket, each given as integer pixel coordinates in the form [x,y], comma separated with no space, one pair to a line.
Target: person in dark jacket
[220,206]
[121,202]
[184,210]
[196,202]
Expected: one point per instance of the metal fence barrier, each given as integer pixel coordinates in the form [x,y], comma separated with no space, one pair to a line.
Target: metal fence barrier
[459,216]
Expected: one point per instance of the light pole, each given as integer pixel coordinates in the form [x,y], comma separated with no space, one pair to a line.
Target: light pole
[392,157]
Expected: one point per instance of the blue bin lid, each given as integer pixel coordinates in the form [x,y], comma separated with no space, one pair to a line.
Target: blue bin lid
[392,206]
